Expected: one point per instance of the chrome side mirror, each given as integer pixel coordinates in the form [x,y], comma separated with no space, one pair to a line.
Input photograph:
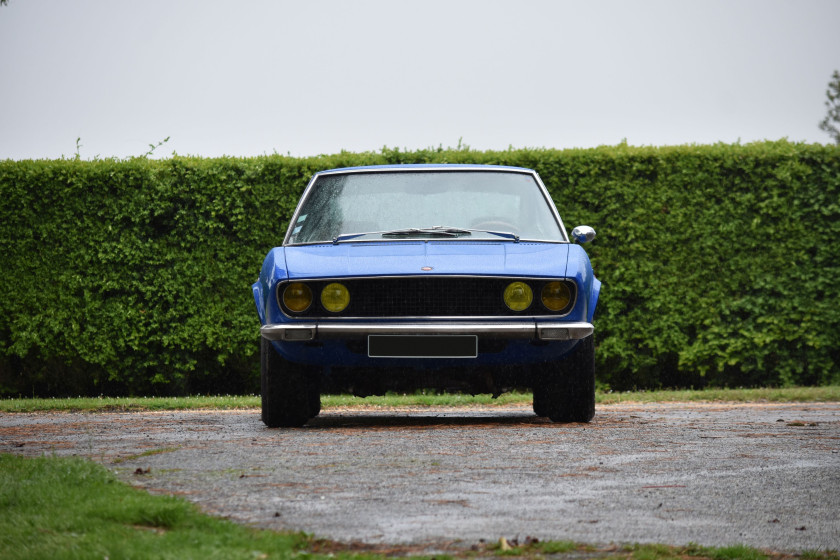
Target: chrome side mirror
[583,234]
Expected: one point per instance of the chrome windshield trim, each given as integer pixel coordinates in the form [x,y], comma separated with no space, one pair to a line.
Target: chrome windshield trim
[523,329]
[551,205]
[426,167]
[493,239]
[433,168]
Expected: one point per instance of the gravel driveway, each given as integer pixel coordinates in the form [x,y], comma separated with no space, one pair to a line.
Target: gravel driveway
[764,475]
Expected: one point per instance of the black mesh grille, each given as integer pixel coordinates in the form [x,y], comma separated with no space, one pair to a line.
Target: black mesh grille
[428,297]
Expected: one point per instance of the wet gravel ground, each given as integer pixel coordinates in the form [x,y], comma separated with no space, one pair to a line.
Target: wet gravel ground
[764,475]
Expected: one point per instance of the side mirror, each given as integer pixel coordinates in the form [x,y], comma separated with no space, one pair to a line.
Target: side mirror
[583,234]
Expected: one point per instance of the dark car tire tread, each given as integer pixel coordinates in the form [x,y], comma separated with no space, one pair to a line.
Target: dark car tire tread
[565,391]
[289,396]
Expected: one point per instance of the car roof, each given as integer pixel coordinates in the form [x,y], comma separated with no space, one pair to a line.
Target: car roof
[427,167]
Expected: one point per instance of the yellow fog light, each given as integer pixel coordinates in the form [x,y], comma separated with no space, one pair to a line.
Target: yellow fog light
[556,296]
[297,297]
[335,298]
[518,296]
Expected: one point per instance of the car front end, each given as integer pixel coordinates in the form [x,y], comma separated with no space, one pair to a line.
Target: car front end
[371,299]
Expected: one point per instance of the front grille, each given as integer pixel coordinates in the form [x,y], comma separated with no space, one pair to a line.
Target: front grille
[427,296]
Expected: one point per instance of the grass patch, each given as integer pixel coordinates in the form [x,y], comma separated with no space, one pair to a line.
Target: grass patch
[419,399]
[129,404]
[693,551]
[56,508]
[829,393]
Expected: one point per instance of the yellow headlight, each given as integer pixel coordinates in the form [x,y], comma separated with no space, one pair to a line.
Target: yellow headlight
[556,296]
[297,297]
[518,296]
[335,297]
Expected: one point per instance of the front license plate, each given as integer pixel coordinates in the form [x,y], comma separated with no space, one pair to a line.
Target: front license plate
[422,346]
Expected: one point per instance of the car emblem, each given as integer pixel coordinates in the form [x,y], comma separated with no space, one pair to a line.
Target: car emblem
[426,268]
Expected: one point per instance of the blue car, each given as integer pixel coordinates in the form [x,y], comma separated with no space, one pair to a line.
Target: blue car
[448,277]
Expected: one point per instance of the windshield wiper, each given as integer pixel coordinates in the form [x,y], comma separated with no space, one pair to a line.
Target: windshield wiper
[505,234]
[346,236]
[442,231]
[449,232]
[436,230]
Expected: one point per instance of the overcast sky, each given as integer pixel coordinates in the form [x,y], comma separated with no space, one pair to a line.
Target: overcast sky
[306,77]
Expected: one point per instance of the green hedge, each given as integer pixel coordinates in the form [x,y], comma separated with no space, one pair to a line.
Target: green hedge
[719,263]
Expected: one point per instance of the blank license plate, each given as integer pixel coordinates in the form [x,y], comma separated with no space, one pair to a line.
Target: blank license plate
[422,346]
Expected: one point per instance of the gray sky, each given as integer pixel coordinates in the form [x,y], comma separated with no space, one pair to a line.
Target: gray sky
[307,77]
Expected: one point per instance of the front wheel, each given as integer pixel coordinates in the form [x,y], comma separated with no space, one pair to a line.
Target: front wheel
[289,396]
[565,391]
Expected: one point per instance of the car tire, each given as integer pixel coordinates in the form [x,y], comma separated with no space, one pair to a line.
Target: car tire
[314,401]
[289,397]
[565,391]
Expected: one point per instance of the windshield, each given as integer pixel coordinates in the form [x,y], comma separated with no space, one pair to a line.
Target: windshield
[406,205]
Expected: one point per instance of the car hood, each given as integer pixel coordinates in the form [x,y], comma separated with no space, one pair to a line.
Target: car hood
[397,258]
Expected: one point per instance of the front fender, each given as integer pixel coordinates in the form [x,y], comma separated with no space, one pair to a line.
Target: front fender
[580,269]
[593,298]
[273,271]
[256,288]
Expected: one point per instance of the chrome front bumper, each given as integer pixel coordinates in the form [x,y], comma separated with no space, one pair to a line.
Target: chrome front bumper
[297,332]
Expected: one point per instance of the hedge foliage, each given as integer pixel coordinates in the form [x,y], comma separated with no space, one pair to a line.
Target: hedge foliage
[719,263]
